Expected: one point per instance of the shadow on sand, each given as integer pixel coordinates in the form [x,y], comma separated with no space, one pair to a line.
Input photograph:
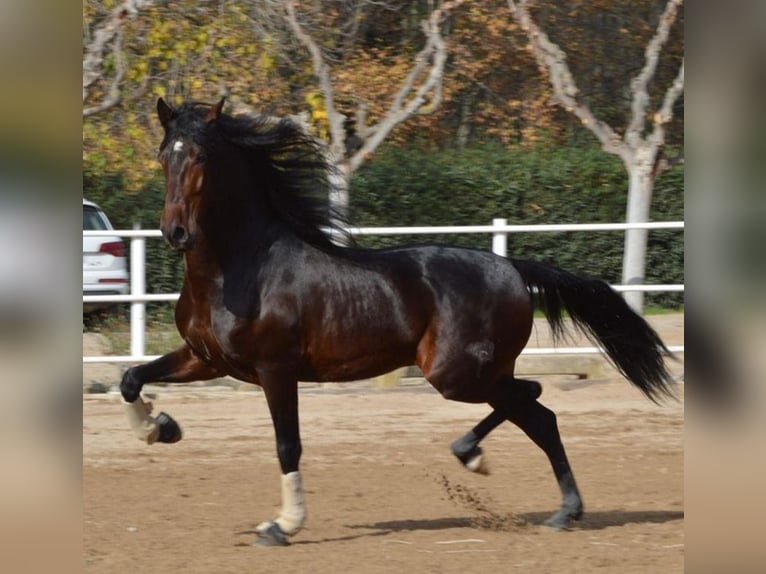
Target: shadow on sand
[596,520]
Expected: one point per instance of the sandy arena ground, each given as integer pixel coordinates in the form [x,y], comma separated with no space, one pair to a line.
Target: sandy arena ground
[383,492]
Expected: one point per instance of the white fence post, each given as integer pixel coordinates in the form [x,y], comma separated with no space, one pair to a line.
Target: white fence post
[137,288]
[499,238]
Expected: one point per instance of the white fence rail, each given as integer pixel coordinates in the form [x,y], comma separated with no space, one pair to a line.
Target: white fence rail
[499,231]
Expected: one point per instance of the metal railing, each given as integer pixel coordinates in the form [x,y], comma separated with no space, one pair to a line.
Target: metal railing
[499,231]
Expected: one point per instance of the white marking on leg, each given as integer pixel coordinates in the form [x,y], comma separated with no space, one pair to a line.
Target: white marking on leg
[478,465]
[144,426]
[293,513]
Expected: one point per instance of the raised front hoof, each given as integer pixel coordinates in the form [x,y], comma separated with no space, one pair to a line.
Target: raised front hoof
[563,518]
[169,430]
[272,535]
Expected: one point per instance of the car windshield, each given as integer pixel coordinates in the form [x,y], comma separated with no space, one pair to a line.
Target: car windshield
[92,220]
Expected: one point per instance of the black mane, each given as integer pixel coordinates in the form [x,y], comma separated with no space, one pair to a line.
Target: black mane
[292,167]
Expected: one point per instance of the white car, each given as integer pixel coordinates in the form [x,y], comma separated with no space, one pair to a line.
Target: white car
[104,265]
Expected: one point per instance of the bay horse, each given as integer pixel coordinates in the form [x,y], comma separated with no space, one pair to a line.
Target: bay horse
[269,298]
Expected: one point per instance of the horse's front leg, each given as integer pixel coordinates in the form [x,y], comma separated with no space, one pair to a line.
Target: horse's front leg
[180,366]
[282,397]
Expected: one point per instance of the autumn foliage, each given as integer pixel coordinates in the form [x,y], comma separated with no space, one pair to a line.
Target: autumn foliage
[492,89]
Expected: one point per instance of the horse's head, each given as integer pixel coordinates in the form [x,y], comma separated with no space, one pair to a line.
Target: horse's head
[183,160]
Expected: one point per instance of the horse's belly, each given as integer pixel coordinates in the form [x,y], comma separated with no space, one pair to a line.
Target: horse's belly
[354,359]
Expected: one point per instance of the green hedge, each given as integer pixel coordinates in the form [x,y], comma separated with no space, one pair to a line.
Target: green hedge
[405,186]
[471,187]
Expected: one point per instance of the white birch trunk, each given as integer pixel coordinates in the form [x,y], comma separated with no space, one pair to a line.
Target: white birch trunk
[640,172]
[339,196]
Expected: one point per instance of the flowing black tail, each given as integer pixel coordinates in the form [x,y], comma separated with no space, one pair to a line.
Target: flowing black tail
[605,318]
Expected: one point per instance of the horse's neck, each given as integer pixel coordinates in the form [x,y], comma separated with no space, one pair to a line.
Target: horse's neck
[201,269]
[230,253]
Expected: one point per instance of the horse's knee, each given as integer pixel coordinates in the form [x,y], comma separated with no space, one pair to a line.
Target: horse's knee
[130,386]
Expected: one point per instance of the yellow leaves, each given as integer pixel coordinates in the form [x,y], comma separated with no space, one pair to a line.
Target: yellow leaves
[314,99]
[134,131]
[319,121]
[159,91]
[151,165]
[266,62]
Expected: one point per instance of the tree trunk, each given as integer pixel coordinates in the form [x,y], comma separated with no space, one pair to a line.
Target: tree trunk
[640,172]
[340,178]
[464,127]
[339,198]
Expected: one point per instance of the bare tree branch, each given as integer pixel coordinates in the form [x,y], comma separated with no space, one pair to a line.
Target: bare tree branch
[639,85]
[427,96]
[114,95]
[665,114]
[109,32]
[323,76]
[552,61]
[420,92]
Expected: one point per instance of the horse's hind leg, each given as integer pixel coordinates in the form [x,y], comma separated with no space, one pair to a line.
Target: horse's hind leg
[180,366]
[467,449]
[539,423]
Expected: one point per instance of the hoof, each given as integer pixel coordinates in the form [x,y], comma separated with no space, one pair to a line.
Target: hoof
[562,519]
[472,458]
[478,464]
[169,430]
[273,535]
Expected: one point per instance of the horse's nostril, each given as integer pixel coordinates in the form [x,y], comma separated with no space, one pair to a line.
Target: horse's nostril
[179,234]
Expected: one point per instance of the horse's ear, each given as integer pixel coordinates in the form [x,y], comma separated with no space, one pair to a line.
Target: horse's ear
[215,111]
[165,113]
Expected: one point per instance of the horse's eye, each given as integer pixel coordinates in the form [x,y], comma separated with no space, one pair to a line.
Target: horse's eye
[202,158]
